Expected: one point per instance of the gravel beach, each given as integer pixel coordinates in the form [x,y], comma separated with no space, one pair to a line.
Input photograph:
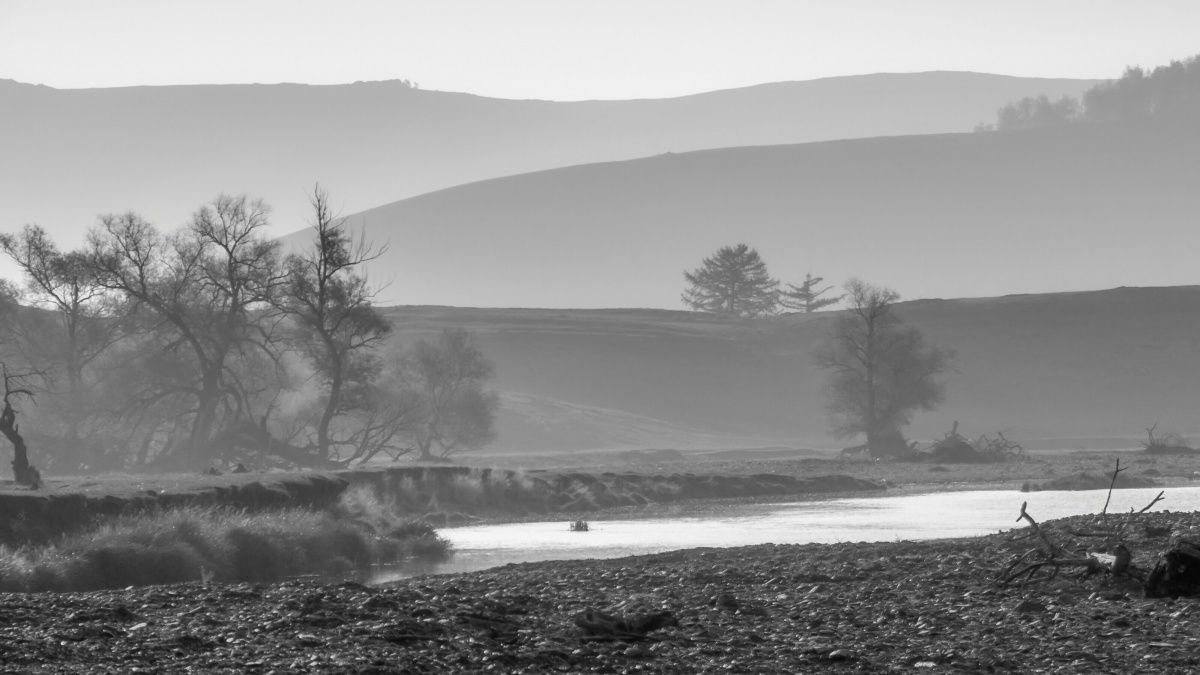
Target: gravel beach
[920,607]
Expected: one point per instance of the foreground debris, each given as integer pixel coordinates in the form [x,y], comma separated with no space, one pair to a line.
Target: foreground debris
[856,608]
[1066,548]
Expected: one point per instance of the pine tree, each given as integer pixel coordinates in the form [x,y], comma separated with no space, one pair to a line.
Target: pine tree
[806,297]
[733,282]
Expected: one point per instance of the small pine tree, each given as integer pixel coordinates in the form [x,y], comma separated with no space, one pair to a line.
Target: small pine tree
[807,297]
[733,282]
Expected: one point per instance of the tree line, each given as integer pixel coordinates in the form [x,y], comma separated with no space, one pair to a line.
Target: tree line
[1170,92]
[209,346]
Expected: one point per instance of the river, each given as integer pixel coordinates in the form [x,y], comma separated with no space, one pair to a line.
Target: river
[848,519]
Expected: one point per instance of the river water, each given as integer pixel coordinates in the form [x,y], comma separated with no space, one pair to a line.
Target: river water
[850,519]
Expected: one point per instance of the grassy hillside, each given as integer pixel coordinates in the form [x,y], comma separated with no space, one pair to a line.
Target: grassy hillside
[952,215]
[1065,370]
[71,154]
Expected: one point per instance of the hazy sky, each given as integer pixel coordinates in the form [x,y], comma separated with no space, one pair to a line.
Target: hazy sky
[565,50]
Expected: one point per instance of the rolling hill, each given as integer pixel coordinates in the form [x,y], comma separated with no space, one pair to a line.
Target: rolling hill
[68,155]
[1063,370]
[949,215]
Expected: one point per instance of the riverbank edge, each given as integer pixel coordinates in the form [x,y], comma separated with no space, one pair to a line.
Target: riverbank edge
[439,495]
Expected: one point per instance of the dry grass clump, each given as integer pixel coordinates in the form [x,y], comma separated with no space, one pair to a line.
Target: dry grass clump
[397,535]
[213,543]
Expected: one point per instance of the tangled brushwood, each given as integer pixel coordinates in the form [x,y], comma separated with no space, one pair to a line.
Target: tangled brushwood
[1105,549]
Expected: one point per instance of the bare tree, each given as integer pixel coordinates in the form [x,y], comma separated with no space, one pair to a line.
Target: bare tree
[807,296]
[9,309]
[456,413]
[880,371]
[209,285]
[390,417]
[732,282]
[74,322]
[337,329]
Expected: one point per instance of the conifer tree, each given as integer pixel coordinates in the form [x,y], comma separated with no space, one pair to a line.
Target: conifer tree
[732,282]
[807,297]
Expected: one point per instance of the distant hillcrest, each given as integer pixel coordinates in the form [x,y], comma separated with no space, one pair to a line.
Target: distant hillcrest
[69,155]
[1075,207]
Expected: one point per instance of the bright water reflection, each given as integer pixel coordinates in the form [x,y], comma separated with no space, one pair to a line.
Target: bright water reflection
[876,518]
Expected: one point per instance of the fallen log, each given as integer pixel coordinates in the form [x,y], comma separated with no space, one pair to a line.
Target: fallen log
[1090,564]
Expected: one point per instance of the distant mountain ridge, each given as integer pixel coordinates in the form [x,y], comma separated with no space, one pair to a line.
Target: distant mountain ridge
[68,155]
[975,214]
[1066,370]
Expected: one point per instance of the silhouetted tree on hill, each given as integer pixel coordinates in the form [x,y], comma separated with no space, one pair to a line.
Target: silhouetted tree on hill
[1040,111]
[1170,92]
[732,282]
[807,296]
[880,371]
[1167,92]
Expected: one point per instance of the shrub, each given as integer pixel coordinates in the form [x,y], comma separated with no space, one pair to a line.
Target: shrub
[198,543]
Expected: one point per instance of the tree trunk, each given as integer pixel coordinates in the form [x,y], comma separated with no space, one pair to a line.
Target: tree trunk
[23,472]
[426,448]
[331,406]
[199,448]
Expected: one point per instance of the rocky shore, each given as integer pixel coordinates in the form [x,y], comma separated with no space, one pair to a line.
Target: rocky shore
[892,607]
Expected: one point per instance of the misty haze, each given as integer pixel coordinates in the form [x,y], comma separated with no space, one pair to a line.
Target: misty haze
[855,371]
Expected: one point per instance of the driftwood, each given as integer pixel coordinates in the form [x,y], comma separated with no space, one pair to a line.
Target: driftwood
[1113,534]
[1111,485]
[1051,548]
[1118,562]
[1166,444]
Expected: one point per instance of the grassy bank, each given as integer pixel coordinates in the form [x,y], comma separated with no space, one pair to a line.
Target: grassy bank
[220,543]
